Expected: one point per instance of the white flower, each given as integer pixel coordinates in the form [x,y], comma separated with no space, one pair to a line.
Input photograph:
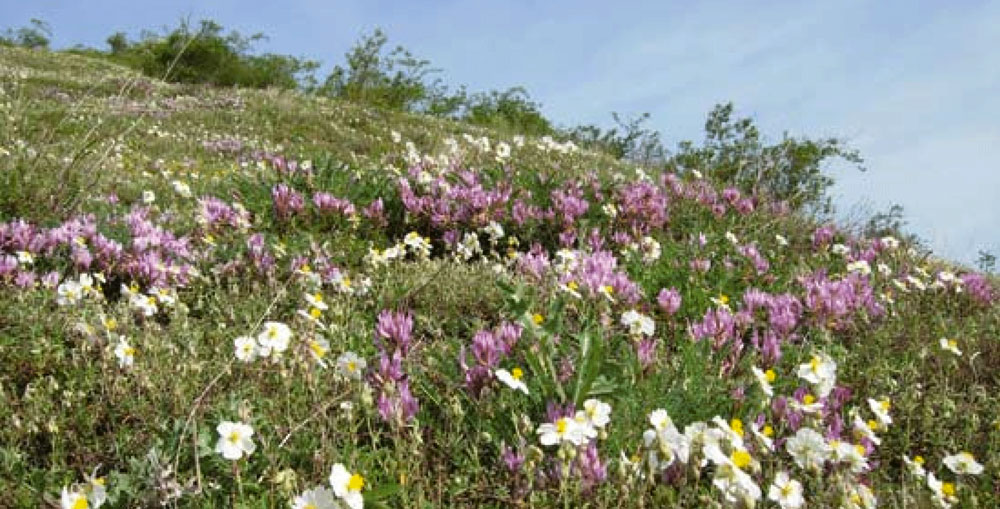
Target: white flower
[564,429]
[944,492]
[68,293]
[861,266]
[318,347]
[351,366]
[95,488]
[598,412]
[732,238]
[963,463]
[950,345]
[73,499]
[736,485]
[651,250]
[274,338]
[181,188]
[512,379]
[246,348]
[782,241]
[820,371]
[665,443]
[890,242]
[915,465]
[839,249]
[864,429]
[808,449]
[124,353]
[503,151]
[786,492]
[494,230]
[25,258]
[234,440]
[148,197]
[764,378]
[163,295]
[881,410]
[316,300]
[145,303]
[316,498]
[660,419]
[638,324]
[347,486]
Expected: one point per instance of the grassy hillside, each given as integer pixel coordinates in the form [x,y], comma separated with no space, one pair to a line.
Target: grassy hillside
[410,312]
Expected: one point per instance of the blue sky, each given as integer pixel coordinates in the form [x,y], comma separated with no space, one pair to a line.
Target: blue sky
[915,86]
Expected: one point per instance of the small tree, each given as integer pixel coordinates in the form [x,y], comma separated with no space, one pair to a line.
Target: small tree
[36,36]
[790,170]
[394,79]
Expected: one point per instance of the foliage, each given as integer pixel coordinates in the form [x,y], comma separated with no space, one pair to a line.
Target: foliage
[208,56]
[790,170]
[36,36]
[629,140]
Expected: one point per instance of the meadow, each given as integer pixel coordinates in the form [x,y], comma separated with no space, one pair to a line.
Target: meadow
[223,297]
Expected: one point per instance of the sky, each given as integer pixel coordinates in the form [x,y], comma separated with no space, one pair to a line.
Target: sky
[913,85]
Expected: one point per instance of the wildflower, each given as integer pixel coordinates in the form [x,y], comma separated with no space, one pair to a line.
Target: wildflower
[274,338]
[564,429]
[420,246]
[145,303]
[889,242]
[736,485]
[246,348]
[950,345]
[598,413]
[881,410]
[537,319]
[181,189]
[512,379]
[350,365]
[808,449]
[638,324]
[315,301]
[860,266]
[163,296]
[866,430]
[25,258]
[915,465]
[944,492]
[786,492]
[234,440]
[764,378]
[963,463]
[316,498]
[73,500]
[781,240]
[68,293]
[651,250]
[125,353]
[347,486]
[669,300]
[821,371]
[318,347]
[148,197]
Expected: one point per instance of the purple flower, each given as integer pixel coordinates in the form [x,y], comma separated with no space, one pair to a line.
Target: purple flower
[396,329]
[669,300]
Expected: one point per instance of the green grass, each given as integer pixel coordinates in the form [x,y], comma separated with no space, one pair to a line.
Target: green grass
[77,131]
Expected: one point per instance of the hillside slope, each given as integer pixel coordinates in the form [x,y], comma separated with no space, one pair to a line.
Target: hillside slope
[426,314]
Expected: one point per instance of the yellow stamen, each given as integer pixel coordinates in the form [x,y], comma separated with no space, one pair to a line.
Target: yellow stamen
[737,426]
[768,430]
[315,313]
[948,489]
[919,460]
[356,483]
[561,426]
[808,399]
[741,458]
[516,373]
[537,318]
[80,503]
[770,376]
